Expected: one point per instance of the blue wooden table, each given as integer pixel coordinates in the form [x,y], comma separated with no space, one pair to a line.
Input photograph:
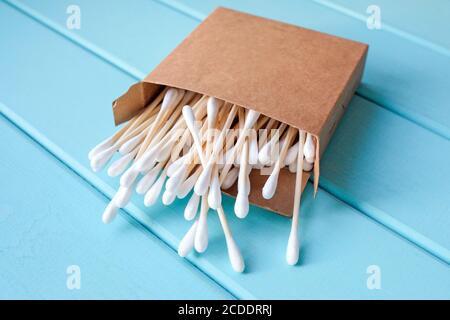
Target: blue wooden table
[383,206]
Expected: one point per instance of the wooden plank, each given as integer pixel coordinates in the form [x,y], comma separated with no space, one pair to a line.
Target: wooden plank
[339,243]
[357,179]
[50,222]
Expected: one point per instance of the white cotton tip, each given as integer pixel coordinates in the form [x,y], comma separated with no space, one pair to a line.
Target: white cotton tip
[293,248]
[177,178]
[164,152]
[187,243]
[100,147]
[186,187]
[129,176]
[110,213]
[215,195]
[192,207]
[102,158]
[271,185]
[147,180]
[201,235]
[250,120]
[189,117]
[147,160]
[293,167]
[309,150]
[291,154]
[230,179]
[169,99]
[253,152]
[119,166]
[235,256]
[168,197]
[202,184]
[307,166]
[212,108]
[153,193]
[264,155]
[175,165]
[122,197]
[128,146]
[241,206]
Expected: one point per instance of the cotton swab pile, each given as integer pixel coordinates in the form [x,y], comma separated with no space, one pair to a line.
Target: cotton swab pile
[171,148]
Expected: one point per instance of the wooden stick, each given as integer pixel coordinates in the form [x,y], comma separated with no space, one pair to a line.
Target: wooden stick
[293,247]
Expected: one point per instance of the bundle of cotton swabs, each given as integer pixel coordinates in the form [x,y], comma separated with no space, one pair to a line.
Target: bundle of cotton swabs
[184,141]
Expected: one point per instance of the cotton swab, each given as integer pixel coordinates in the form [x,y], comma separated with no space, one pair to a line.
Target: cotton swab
[251,118]
[201,235]
[153,193]
[107,143]
[309,150]
[187,243]
[291,155]
[293,246]
[204,179]
[168,197]
[188,184]
[192,207]
[123,196]
[231,178]
[266,151]
[234,254]
[117,167]
[148,179]
[307,166]
[215,194]
[171,97]
[241,205]
[110,213]
[271,184]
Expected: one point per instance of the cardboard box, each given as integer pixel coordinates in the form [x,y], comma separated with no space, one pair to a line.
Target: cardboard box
[295,75]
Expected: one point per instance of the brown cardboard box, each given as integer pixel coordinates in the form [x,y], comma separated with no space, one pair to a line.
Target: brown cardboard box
[298,76]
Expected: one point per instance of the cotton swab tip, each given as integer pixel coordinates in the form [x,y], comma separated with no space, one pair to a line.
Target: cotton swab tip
[100,147]
[293,248]
[122,197]
[168,197]
[202,184]
[187,243]
[230,179]
[118,166]
[215,195]
[201,236]
[241,206]
[129,176]
[235,256]
[309,150]
[169,98]
[270,186]
[110,213]
[192,207]
[100,159]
